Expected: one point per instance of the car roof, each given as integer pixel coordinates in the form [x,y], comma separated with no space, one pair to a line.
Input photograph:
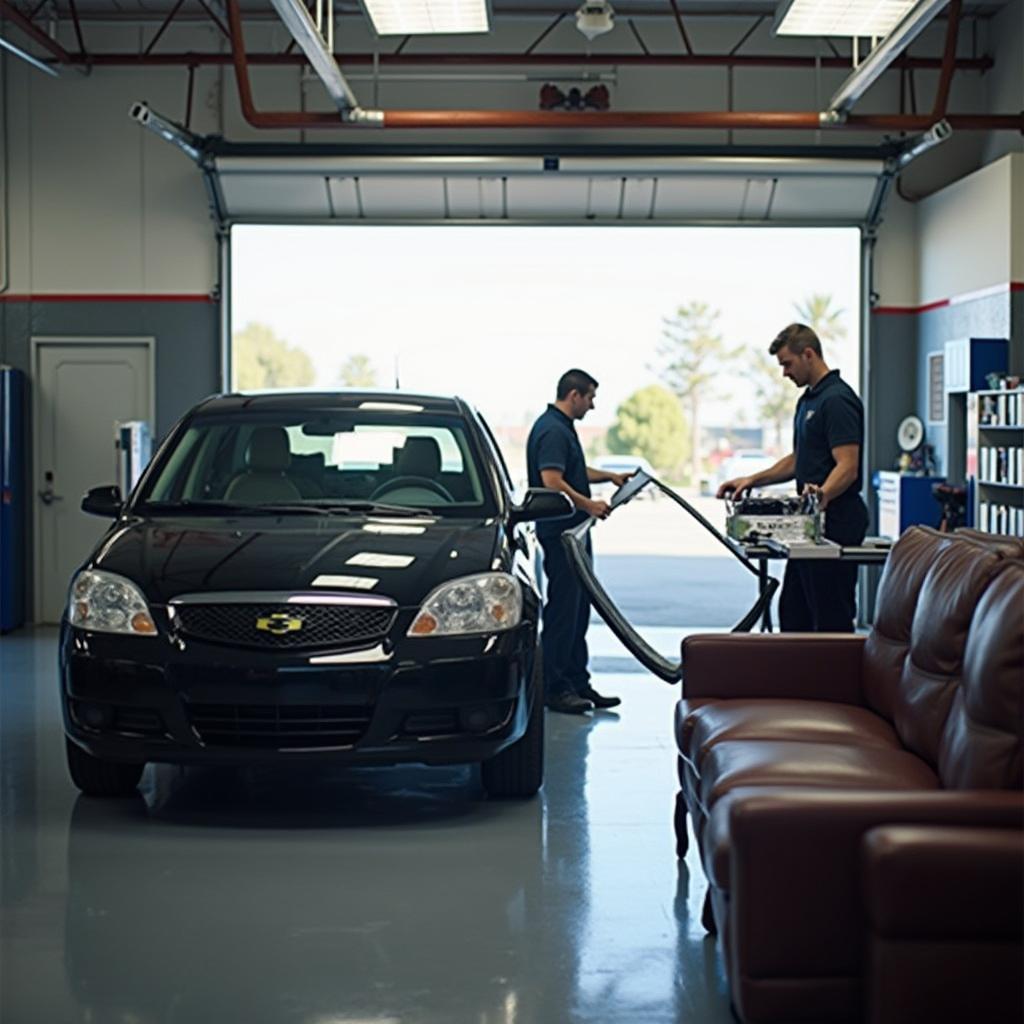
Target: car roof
[337,398]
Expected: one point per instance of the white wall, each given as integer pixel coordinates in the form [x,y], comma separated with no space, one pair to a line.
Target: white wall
[96,204]
[964,233]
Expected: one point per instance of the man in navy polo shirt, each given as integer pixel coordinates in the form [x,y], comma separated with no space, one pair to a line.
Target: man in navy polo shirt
[554,459]
[828,434]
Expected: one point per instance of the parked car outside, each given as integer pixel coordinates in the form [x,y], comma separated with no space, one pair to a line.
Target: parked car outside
[305,576]
[746,462]
[621,464]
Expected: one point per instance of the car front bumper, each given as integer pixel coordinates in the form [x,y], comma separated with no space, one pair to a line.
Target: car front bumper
[425,700]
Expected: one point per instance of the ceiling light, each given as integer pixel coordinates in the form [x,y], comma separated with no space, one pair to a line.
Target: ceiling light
[427,17]
[839,17]
[595,17]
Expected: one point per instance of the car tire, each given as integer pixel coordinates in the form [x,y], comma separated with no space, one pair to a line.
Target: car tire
[518,771]
[95,777]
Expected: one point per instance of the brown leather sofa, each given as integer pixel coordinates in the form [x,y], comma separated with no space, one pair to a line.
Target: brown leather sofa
[858,800]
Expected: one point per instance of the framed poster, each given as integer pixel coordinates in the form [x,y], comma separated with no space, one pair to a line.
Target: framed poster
[936,389]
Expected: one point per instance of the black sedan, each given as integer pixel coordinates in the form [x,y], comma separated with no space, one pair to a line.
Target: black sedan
[314,575]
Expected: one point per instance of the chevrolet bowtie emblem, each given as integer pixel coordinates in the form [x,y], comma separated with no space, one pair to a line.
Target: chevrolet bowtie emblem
[279,624]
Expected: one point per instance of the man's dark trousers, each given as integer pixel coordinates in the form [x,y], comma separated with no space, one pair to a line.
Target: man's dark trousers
[565,618]
[821,596]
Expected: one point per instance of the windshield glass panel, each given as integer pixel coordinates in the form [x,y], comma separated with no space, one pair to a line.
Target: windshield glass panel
[323,459]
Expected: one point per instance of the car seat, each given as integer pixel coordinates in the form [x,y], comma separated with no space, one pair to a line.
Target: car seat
[267,459]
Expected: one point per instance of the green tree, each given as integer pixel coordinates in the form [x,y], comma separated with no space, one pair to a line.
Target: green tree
[262,360]
[693,354]
[827,323]
[775,395]
[357,372]
[650,423]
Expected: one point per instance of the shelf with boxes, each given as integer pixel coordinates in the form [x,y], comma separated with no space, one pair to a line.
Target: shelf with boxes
[995,459]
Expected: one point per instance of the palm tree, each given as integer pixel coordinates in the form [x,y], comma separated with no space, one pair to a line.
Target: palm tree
[826,322]
[693,353]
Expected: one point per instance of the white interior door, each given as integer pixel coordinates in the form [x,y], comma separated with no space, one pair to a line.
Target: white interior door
[82,388]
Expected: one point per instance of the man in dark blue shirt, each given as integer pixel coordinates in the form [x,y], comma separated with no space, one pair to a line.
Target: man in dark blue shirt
[828,434]
[554,459]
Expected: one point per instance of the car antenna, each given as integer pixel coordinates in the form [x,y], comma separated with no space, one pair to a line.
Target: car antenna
[398,387]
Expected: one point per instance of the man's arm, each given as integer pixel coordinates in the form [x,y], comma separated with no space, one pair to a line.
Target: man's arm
[553,479]
[600,476]
[843,474]
[783,470]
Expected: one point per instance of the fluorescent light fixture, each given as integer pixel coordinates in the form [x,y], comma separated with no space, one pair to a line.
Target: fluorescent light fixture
[7,45]
[839,17]
[427,17]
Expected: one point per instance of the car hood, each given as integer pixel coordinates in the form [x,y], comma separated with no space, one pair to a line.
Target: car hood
[401,559]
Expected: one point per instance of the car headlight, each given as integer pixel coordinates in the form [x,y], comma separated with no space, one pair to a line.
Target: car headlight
[107,603]
[485,603]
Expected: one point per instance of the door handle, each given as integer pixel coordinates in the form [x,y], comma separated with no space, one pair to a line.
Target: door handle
[48,497]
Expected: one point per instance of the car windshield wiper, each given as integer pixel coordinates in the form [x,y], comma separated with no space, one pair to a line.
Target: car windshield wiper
[235,508]
[383,508]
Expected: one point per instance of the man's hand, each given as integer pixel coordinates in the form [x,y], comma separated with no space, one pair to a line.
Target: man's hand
[620,478]
[736,488]
[818,490]
[596,508]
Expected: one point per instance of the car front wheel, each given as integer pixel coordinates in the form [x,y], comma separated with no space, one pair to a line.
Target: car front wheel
[101,778]
[518,771]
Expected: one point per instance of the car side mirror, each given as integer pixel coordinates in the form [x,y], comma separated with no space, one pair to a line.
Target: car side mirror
[542,503]
[103,501]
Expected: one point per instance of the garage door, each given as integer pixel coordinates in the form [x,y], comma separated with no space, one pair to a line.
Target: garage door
[758,190]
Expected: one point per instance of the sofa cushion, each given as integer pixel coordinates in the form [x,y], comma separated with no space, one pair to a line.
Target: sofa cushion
[952,588]
[887,644]
[733,763]
[701,724]
[983,737]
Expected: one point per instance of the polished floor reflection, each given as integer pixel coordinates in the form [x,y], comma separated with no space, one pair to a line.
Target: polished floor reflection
[345,896]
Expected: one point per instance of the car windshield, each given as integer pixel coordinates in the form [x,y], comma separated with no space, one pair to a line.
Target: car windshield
[355,460]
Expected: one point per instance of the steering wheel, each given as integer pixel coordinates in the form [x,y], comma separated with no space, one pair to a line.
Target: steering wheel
[419,482]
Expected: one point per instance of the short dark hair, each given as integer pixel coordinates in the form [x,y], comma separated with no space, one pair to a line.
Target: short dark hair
[574,380]
[795,337]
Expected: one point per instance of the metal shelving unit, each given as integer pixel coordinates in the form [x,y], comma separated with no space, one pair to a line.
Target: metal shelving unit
[995,460]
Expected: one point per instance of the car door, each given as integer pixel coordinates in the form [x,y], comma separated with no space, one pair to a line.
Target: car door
[574,541]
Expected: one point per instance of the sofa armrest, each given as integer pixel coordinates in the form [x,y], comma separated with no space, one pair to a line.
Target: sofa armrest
[794,666]
[948,884]
[795,858]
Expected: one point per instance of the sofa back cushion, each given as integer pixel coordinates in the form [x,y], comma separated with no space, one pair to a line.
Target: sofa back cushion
[983,737]
[888,643]
[933,668]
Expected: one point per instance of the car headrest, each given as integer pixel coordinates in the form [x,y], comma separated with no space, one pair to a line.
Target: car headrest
[420,456]
[268,450]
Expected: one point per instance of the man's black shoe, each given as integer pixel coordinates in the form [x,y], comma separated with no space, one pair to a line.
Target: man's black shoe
[589,693]
[568,703]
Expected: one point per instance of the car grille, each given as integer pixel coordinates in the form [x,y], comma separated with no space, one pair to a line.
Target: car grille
[279,726]
[322,625]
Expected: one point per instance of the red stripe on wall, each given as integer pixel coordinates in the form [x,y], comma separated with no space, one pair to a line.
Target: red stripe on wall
[56,297]
[1013,286]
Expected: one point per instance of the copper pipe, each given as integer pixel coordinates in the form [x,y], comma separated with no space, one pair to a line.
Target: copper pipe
[526,60]
[50,45]
[796,120]
[948,62]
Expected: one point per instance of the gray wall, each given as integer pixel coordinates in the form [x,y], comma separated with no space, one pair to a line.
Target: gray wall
[186,333]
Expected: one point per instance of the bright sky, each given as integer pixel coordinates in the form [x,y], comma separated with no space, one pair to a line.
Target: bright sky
[495,313]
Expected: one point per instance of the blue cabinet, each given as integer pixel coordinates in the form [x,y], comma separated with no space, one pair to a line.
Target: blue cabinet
[905,501]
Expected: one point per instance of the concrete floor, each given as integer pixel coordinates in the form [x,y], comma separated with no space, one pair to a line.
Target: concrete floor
[350,896]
